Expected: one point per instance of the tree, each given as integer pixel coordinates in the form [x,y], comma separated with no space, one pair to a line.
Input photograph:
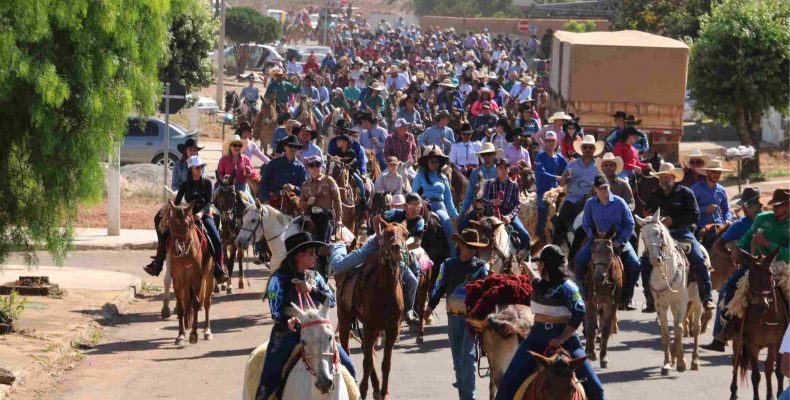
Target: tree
[244,25]
[193,34]
[72,71]
[673,18]
[466,8]
[579,26]
[739,66]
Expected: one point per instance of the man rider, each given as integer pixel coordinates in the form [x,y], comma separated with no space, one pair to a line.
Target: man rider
[280,89]
[604,212]
[549,168]
[439,134]
[281,171]
[484,121]
[346,153]
[374,137]
[680,212]
[464,153]
[712,198]
[251,93]
[502,194]
[485,172]
[577,179]
[642,145]
[320,199]
[309,90]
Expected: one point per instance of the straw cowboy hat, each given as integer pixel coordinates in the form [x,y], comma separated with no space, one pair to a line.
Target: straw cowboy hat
[696,153]
[447,83]
[488,148]
[433,151]
[715,165]
[470,237]
[609,157]
[276,71]
[376,85]
[669,169]
[588,139]
[226,144]
[560,115]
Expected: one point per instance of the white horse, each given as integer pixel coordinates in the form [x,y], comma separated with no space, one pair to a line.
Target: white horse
[668,285]
[319,374]
[264,221]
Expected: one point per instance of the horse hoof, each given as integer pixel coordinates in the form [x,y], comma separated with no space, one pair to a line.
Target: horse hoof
[420,339]
[592,356]
[180,340]
[208,336]
[165,312]
[229,290]
[604,364]
[429,320]
[695,366]
[376,396]
[665,371]
[681,368]
[216,289]
[193,338]
[241,285]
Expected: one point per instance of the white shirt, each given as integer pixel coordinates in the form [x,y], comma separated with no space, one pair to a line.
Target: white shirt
[293,68]
[465,153]
[521,92]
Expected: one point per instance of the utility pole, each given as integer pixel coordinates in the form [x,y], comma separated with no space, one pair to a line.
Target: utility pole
[221,53]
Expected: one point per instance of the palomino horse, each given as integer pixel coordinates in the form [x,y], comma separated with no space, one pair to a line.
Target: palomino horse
[668,285]
[373,295]
[317,372]
[603,286]
[435,246]
[231,205]
[262,221]
[554,379]
[306,117]
[762,326]
[265,122]
[193,272]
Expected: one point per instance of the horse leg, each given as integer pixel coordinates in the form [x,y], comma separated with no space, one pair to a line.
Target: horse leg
[182,313]
[344,328]
[754,363]
[663,320]
[779,376]
[386,363]
[231,262]
[769,371]
[679,314]
[368,342]
[737,353]
[194,308]
[422,295]
[590,329]
[696,328]
[165,314]
[240,255]
[208,276]
[606,330]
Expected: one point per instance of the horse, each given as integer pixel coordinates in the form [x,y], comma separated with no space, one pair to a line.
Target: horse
[529,210]
[192,269]
[329,123]
[266,122]
[502,255]
[458,183]
[668,285]
[762,325]
[374,296]
[720,257]
[554,379]
[341,173]
[262,221]
[231,205]
[374,169]
[306,117]
[317,372]
[168,280]
[435,247]
[232,100]
[603,286]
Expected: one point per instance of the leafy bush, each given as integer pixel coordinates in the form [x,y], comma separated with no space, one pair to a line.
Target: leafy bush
[11,308]
[579,26]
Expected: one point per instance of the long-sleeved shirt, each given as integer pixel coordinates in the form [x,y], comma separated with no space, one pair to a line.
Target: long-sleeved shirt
[312,92]
[437,188]
[405,149]
[469,195]
[530,126]
[642,145]
[737,229]
[558,300]
[180,175]
[679,204]
[483,122]
[362,159]
[465,153]
[510,202]
[777,232]
[389,182]
[499,140]
[412,117]
[280,91]
[376,132]
[453,275]
[542,134]
[477,107]
[415,226]
[442,137]
[705,197]
[326,193]
[309,150]
[227,166]
[250,94]
[279,134]
[620,188]
[197,192]
[581,180]
[629,155]
[547,169]
[281,293]
[277,173]
[514,155]
[252,149]
[603,217]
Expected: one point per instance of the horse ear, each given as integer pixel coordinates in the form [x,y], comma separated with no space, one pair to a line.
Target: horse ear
[576,362]
[657,215]
[769,259]
[294,311]
[542,361]
[639,220]
[611,233]
[324,309]
[257,203]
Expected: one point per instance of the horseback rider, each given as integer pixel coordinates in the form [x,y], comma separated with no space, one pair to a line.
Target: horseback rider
[285,170]
[306,136]
[449,98]
[390,181]
[284,126]
[769,232]
[641,144]
[577,179]
[374,136]
[401,144]
[486,97]
[464,153]
[559,310]
[409,113]
[528,119]
[235,164]
[692,167]
[626,149]
[309,90]
[500,134]
[291,282]
[454,274]
[502,194]
[439,134]
[712,198]
[549,168]
[279,89]
[619,124]
[485,172]
[516,152]
[346,153]
[320,199]
[250,148]
[251,94]
[606,211]
[680,212]
[484,121]
[434,186]
[197,191]
[331,148]
[556,122]
[374,102]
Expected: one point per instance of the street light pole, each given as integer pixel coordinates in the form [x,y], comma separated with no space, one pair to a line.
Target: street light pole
[221,53]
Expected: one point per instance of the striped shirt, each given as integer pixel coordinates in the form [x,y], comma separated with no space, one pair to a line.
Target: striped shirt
[405,149]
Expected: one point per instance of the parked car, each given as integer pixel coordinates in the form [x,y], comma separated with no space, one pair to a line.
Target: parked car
[204,104]
[320,52]
[145,141]
[270,58]
[293,52]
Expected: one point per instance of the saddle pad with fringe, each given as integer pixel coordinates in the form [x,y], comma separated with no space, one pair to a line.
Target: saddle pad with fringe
[740,300]
[522,390]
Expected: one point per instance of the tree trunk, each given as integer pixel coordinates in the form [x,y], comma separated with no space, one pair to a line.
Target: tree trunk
[750,133]
[242,55]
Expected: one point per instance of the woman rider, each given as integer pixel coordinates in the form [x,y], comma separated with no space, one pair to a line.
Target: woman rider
[236,163]
[559,310]
[196,190]
[432,185]
[293,281]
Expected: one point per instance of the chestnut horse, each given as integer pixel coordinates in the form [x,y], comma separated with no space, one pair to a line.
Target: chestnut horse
[192,269]
[554,379]
[603,286]
[265,122]
[435,246]
[377,303]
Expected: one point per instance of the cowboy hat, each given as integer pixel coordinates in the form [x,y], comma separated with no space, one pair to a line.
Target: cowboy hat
[515,132]
[588,140]
[300,241]
[471,237]
[300,127]
[750,196]
[189,143]
[276,71]
[341,124]
[696,153]
[619,114]
[432,151]
[630,119]
[392,160]
[488,148]
[609,157]
[560,115]
[715,165]
[669,169]
[466,128]
[527,79]
[398,200]
[195,161]
[229,141]
[780,196]
[376,85]
[447,83]
[291,141]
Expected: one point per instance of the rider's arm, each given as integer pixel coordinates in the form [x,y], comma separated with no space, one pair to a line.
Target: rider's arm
[276,296]
[256,151]
[377,224]
[321,291]
[267,176]
[181,191]
[448,199]
[691,216]
[724,206]
[627,223]
[337,203]
[469,192]
[587,219]
[206,192]
[439,288]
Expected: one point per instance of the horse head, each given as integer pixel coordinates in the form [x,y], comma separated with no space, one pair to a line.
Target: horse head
[182,223]
[251,224]
[320,348]
[761,278]
[602,255]
[655,161]
[231,100]
[559,381]
[393,245]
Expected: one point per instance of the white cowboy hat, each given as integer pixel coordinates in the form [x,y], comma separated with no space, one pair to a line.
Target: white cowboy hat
[609,157]
[489,148]
[559,115]
[669,169]
[447,82]
[588,139]
[696,153]
[398,200]
[226,144]
[715,165]
[376,85]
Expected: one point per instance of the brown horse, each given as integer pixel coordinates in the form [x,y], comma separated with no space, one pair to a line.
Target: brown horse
[373,295]
[341,173]
[265,122]
[231,206]
[554,379]
[763,325]
[458,183]
[192,269]
[603,286]
[374,170]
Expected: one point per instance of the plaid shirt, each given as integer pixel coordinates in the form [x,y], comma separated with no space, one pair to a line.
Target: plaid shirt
[404,149]
[510,204]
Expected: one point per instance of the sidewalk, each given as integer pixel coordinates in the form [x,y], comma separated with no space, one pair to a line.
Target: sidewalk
[130,239]
[54,328]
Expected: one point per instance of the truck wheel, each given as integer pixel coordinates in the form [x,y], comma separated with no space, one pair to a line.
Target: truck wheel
[159,160]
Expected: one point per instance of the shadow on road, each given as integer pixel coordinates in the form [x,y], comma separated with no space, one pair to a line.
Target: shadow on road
[211,354]
[647,373]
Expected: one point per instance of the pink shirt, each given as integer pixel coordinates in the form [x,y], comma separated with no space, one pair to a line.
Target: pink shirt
[477,107]
[226,167]
[629,155]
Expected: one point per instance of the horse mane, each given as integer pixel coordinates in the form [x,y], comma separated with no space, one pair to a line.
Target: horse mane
[280,217]
[484,295]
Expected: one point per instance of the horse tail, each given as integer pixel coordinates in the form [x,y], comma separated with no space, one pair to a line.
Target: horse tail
[742,361]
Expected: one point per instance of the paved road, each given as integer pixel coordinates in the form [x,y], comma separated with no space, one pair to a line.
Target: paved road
[138,360]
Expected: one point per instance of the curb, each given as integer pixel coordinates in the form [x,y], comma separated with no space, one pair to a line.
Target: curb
[116,307]
[121,246]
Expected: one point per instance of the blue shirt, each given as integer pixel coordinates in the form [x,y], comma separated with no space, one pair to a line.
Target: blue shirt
[415,226]
[281,293]
[453,274]
[603,217]
[308,151]
[706,196]
[581,180]
[565,295]
[362,159]
[547,169]
[442,137]
[437,188]
[377,132]
[279,134]
[277,173]
[474,177]
[737,229]
[251,94]
[410,117]
[312,92]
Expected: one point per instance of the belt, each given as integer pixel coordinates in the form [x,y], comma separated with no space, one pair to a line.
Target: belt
[435,199]
[548,319]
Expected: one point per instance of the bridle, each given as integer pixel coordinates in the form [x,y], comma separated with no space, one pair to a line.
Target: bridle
[259,224]
[661,256]
[318,322]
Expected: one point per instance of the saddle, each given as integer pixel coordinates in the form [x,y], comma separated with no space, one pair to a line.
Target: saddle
[350,284]
[684,247]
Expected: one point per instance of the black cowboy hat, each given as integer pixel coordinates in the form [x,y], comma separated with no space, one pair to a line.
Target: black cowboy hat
[750,196]
[190,143]
[619,114]
[515,132]
[343,136]
[292,141]
[299,242]
[342,125]
[780,196]
[551,254]
[630,119]
[299,127]
[465,128]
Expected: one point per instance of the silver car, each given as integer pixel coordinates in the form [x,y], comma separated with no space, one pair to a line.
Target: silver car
[145,141]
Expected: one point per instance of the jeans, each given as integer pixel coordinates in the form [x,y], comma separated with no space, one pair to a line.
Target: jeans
[323,231]
[696,261]
[213,235]
[727,292]
[341,262]
[543,210]
[462,346]
[410,283]
[277,354]
[447,223]
[630,264]
[361,185]
[524,364]
[523,235]
[319,116]
[785,395]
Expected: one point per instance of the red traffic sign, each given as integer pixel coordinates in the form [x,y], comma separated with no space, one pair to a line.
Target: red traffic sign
[523,26]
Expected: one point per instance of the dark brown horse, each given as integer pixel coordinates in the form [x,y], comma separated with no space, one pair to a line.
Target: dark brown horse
[373,296]
[458,183]
[603,286]
[763,325]
[231,207]
[349,195]
[554,379]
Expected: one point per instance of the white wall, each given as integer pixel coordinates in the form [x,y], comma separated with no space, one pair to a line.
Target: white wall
[774,127]
[392,18]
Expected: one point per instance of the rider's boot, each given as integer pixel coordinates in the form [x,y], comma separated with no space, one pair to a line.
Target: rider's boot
[155,267]
[220,272]
[649,307]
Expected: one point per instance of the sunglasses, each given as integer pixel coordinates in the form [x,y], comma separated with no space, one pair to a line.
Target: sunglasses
[696,161]
[236,145]
[588,147]
[314,165]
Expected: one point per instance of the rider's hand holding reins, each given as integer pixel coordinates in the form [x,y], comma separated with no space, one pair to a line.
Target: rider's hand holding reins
[292,322]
